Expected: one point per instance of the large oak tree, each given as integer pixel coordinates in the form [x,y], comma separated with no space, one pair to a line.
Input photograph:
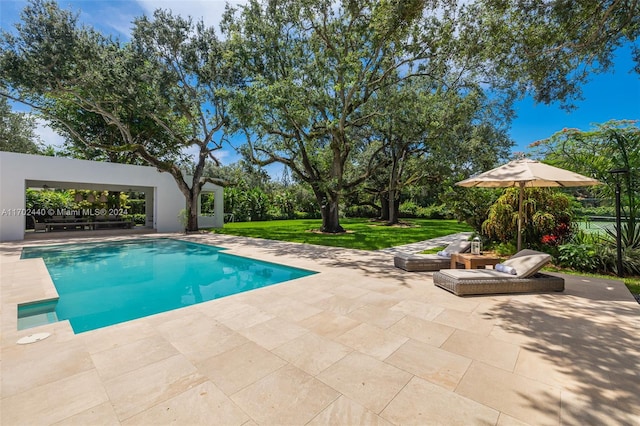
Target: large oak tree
[312,67]
[160,94]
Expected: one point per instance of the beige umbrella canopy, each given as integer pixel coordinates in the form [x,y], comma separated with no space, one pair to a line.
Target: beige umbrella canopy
[526,173]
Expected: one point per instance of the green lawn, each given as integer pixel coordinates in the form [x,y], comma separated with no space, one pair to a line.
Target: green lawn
[361,234]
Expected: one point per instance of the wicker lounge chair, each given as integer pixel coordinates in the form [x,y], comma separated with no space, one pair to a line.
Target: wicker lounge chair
[430,262]
[521,277]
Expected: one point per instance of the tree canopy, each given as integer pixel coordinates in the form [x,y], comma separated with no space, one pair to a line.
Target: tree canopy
[17,131]
[342,93]
[156,96]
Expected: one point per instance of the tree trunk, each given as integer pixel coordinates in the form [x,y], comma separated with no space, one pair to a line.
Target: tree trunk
[393,208]
[330,218]
[191,214]
[384,202]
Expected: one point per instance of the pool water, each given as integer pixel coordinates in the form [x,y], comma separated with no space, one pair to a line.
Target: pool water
[109,283]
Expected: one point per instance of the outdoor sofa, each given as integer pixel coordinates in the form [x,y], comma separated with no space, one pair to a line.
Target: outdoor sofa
[430,262]
[69,223]
[518,274]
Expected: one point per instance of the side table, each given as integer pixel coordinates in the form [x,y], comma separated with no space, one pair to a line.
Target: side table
[473,261]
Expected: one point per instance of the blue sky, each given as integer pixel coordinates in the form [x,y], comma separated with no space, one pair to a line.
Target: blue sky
[615,95]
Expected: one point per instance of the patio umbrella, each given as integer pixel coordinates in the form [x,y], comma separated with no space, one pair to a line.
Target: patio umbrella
[526,173]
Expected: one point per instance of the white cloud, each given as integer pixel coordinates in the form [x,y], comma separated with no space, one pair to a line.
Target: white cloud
[210,11]
[47,135]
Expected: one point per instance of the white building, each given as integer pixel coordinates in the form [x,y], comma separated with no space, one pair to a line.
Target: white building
[163,199]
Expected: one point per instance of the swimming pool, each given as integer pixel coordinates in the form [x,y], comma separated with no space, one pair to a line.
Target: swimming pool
[103,284]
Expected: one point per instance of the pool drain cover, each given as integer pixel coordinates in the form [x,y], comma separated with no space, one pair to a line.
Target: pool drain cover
[32,338]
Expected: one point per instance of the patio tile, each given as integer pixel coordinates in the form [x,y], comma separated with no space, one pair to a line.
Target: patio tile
[349,291]
[312,353]
[483,348]
[290,309]
[545,368]
[240,315]
[379,300]
[239,367]
[366,380]
[515,395]
[329,324]
[344,411]
[424,331]
[435,365]
[418,309]
[567,358]
[466,321]
[507,420]
[54,401]
[136,391]
[22,369]
[372,340]
[421,403]
[377,316]
[339,304]
[125,358]
[100,415]
[199,405]
[589,409]
[286,396]
[310,296]
[190,321]
[205,341]
[273,333]
[117,335]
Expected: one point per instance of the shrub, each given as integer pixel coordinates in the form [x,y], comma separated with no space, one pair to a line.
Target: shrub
[546,218]
[436,211]
[409,209]
[361,211]
[138,218]
[581,257]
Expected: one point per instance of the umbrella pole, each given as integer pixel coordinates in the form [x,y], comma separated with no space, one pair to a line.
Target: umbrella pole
[520,215]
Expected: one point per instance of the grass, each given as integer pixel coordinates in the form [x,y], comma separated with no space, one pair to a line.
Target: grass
[363,234]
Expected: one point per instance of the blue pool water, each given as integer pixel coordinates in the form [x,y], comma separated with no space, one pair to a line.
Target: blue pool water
[108,283]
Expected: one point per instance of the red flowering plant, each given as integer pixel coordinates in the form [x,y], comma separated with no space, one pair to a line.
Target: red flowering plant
[561,233]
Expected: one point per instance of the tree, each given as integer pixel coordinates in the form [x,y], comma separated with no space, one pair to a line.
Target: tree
[617,144]
[436,129]
[17,131]
[162,93]
[549,48]
[312,67]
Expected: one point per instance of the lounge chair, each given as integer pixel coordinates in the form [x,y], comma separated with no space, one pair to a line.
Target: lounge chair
[430,262]
[519,275]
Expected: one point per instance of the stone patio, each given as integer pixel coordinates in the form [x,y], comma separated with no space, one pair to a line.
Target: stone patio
[361,342]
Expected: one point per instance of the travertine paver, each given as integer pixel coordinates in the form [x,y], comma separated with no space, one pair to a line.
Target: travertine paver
[433,364]
[366,380]
[271,400]
[345,411]
[517,396]
[422,402]
[360,342]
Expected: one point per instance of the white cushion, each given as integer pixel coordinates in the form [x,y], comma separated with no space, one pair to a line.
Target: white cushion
[458,246]
[527,262]
[501,267]
[475,274]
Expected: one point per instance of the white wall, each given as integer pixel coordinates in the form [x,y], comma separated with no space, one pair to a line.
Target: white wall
[16,169]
